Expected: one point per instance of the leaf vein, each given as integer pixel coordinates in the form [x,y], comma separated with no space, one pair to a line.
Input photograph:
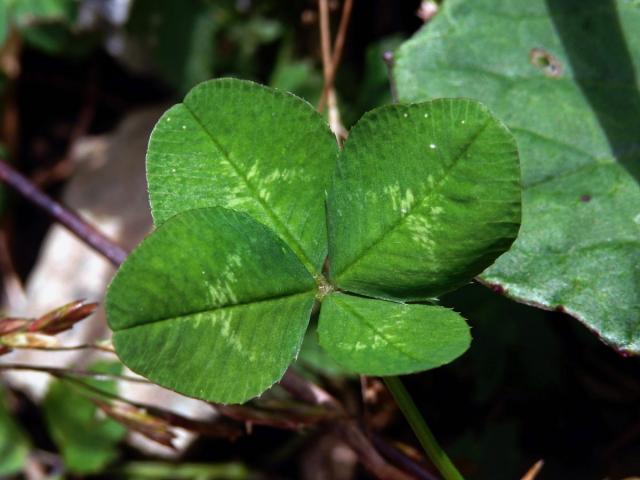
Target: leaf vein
[379,332]
[418,203]
[217,309]
[282,227]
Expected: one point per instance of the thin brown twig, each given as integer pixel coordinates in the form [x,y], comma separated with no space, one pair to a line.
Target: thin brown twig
[325,42]
[63,348]
[58,372]
[301,388]
[79,227]
[532,473]
[338,48]
[291,415]
[347,428]
[233,417]
[173,418]
[341,36]
[329,69]
[370,457]
[396,456]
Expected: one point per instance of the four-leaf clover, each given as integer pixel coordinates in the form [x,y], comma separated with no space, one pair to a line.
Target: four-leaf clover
[261,220]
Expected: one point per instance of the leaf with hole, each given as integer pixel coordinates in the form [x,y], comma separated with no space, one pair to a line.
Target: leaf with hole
[563,77]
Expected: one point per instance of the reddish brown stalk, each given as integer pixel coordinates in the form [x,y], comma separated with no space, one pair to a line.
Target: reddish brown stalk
[79,227]
[325,43]
[532,473]
[70,348]
[329,69]
[367,453]
[396,456]
[290,415]
[347,428]
[334,60]
[67,372]
[221,427]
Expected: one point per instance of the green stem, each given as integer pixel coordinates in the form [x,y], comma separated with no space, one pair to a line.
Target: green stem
[420,428]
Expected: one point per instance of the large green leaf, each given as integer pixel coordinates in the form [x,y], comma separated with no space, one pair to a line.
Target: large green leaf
[87,441]
[563,74]
[425,197]
[244,146]
[14,446]
[212,304]
[374,337]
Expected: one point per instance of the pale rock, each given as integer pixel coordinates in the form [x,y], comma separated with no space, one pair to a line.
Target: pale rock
[108,189]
